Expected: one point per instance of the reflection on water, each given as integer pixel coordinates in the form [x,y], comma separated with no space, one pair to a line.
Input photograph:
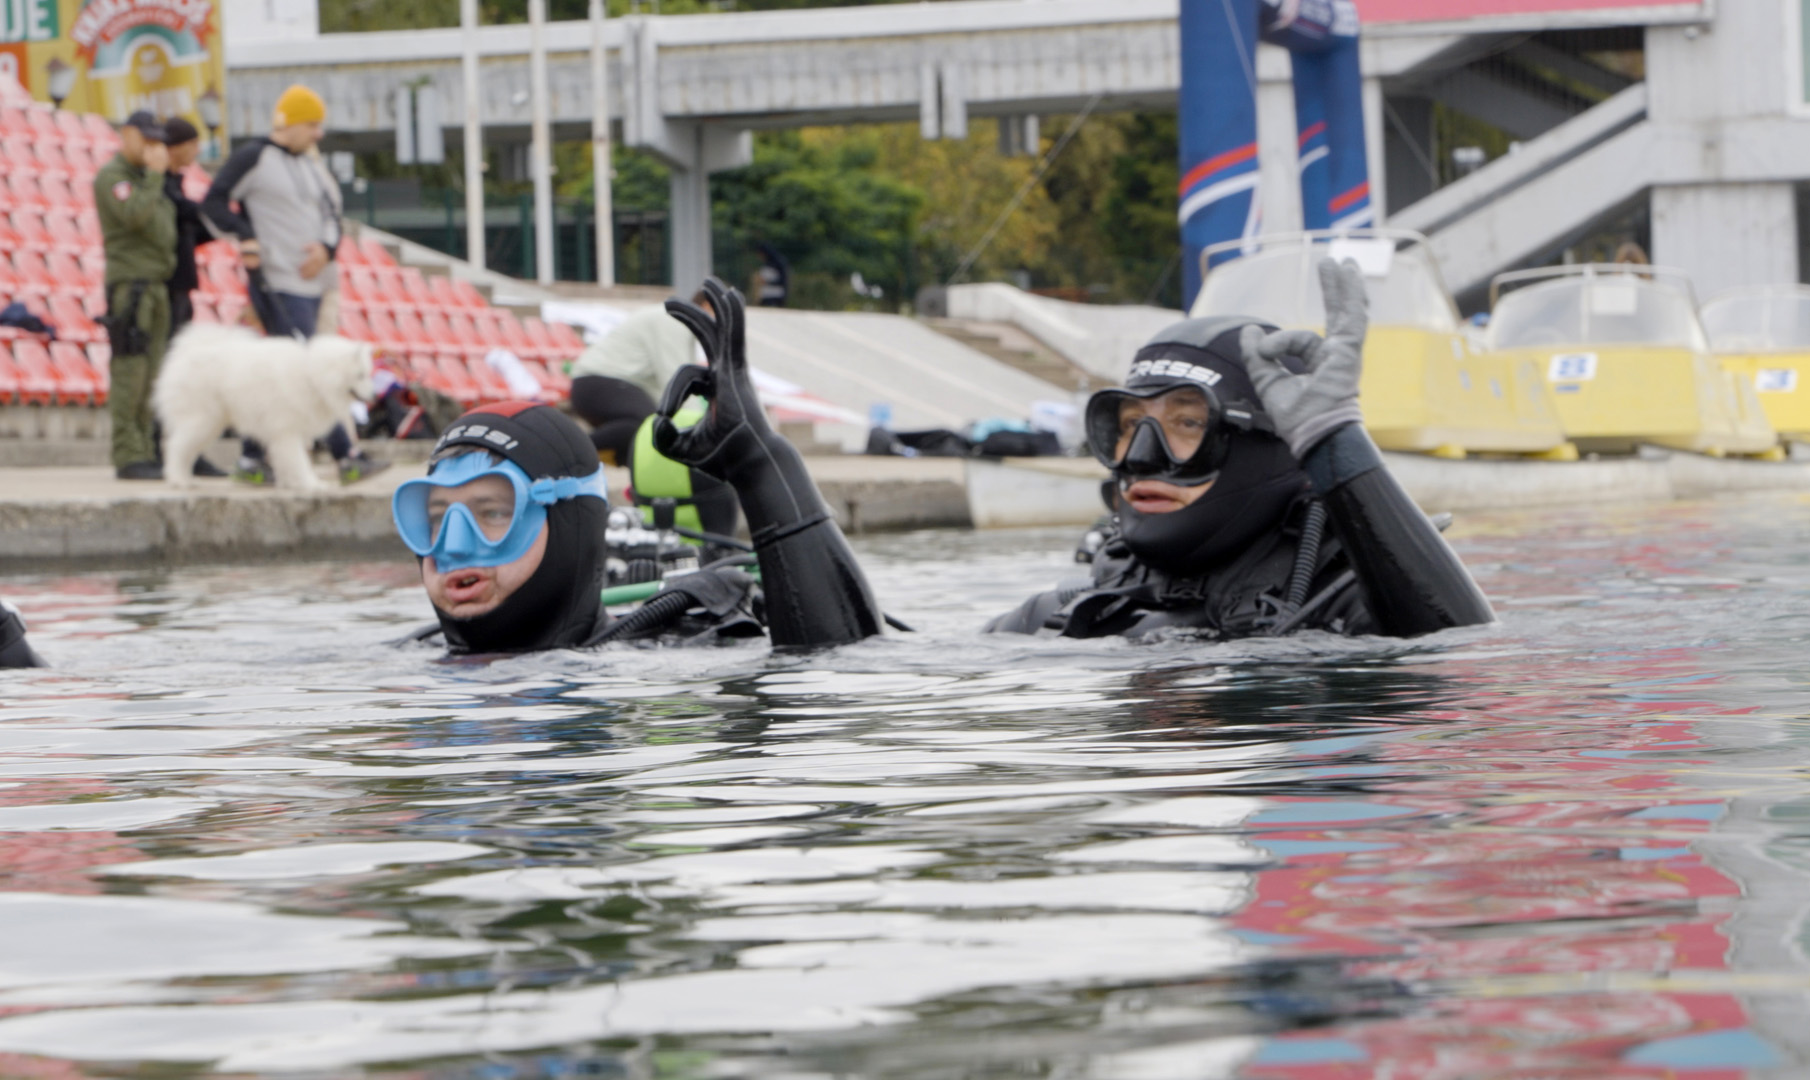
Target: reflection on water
[239,834]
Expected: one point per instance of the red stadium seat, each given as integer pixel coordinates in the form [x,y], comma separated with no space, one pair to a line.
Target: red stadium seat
[469,295]
[415,290]
[556,380]
[384,331]
[71,322]
[10,239]
[204,309]
[42,119]
[491,385]
[415,334]
[13,120]
[231,309]
[567,338]
[464,334]
[100,132]
[352,324]
[541,337]
[357,285]
[490,335]
[67,273]
[75,374]
[83,164]
[11,380]
[72,127]
[39,383]
[513,334]
[34,278]
[456,382]
[375,253]
[22,191]
[350,254]
[21,153]
[53,161]
[94,265]
[88,223]
[66,235]
[386,290]
[28,226]
[62,195]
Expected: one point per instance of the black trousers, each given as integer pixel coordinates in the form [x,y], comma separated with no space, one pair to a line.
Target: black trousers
[615,410]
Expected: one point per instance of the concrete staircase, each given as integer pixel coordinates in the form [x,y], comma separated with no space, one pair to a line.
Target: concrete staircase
[1012,346]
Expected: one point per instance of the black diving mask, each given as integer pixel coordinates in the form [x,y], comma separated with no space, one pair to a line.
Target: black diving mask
[1178,433]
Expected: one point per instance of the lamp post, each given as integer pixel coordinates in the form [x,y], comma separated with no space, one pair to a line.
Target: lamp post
[59,80]
[212,112]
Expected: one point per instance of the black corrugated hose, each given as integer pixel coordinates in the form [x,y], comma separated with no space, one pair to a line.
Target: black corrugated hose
[1307,557]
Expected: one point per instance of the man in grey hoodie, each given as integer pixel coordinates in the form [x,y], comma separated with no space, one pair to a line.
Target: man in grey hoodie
[288,227]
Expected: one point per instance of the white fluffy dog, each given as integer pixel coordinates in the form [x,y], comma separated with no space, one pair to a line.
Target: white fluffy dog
[282,392]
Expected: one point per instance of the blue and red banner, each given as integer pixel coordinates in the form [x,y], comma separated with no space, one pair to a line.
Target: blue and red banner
[1220,195]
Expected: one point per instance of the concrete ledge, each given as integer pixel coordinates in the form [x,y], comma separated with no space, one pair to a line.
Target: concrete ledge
[53,517]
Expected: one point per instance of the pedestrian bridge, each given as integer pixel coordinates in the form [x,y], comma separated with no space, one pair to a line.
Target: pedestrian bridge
[692,88]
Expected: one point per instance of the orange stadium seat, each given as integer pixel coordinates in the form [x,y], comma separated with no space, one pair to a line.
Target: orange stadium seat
[222,279]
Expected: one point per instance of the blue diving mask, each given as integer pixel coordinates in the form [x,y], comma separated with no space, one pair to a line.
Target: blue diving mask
[481,532]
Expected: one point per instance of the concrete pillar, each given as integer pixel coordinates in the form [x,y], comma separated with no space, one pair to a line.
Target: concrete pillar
[1278,163]
[1379,158]
[541,147]
[474,134]
[692,256]
[1727,235]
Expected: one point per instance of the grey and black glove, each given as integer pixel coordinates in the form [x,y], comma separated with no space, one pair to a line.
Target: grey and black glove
[1307,408]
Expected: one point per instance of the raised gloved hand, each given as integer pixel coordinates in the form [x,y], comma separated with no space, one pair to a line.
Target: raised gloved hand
[1307,408]
[816,593]
[734,428]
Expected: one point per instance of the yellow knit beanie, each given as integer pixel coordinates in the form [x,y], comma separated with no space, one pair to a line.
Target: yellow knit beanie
[299,105]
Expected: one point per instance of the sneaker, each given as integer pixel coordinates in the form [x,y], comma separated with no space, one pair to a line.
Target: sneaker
[360,466]
[204,467]
[254,471]
[139,470]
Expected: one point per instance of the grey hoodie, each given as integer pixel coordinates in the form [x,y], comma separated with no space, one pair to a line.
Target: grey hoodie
[292,201]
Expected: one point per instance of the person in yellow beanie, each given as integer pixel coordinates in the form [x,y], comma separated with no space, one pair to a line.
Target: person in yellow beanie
[299,105]
[288,227]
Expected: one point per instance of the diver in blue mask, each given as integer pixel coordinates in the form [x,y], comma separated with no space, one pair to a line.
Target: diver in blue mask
[509,523]
[1248,499]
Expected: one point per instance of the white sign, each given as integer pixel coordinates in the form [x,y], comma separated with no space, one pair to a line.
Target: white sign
[1374,257]
[1775,380]
[1572,367]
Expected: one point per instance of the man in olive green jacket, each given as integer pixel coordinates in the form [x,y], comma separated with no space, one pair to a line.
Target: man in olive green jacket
[138,226]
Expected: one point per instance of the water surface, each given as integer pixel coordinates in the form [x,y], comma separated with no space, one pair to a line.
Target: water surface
[240,834]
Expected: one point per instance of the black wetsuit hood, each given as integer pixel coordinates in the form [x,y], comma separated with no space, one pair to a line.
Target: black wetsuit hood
[561,604]
[1255,487]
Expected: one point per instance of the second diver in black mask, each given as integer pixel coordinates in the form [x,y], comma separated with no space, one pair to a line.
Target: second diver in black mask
[1248,498]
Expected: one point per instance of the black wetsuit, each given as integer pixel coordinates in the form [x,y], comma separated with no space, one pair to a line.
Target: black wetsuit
[1382,569]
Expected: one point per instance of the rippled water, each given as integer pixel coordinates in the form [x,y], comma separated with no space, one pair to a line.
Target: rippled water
[239,834]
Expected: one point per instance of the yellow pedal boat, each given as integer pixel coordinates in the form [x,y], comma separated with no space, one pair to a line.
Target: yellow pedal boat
[1763,333]
[1627,359]
[1425,389]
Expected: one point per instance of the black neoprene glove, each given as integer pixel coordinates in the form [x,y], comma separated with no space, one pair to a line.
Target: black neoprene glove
[816,593]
